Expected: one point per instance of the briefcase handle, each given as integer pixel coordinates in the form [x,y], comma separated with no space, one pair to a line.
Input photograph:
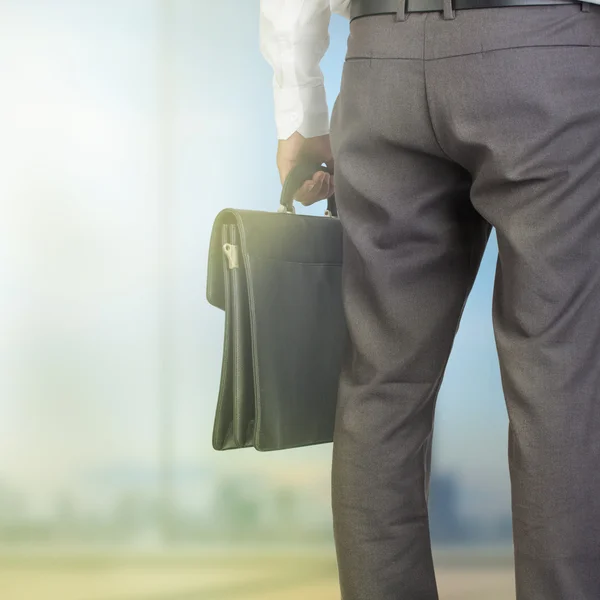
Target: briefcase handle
[296,177]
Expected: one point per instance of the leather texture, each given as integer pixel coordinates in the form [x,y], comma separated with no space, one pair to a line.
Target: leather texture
[363,8]
[285,331]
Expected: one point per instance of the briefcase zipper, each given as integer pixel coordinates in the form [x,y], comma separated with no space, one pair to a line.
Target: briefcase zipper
[231,251]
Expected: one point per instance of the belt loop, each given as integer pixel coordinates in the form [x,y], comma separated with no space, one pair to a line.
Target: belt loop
[585,7]
[401,12]
[449,12]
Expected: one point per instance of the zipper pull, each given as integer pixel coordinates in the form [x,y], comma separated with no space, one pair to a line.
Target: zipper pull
[231,251]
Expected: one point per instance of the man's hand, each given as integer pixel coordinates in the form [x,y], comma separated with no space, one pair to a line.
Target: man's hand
[315,149]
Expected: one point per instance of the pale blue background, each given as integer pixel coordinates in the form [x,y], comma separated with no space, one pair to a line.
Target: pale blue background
[82,154]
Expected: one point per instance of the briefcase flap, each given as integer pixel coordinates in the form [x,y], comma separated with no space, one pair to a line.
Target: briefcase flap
[284,237]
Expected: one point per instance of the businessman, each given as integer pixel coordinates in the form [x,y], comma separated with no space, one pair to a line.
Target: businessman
[456,116]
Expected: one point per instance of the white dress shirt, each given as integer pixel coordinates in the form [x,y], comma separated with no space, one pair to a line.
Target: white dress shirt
[294,36]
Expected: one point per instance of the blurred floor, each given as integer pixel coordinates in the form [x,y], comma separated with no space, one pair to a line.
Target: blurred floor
[251,577]
[453,584]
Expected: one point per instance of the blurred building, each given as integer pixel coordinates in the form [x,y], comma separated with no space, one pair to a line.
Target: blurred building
[445,522]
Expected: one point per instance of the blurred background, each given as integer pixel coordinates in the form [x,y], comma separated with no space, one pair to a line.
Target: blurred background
[125,126]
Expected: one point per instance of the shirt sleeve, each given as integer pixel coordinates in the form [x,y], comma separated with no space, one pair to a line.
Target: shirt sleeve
[294,36]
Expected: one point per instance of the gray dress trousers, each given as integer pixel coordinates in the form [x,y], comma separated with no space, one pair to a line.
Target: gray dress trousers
[448,124]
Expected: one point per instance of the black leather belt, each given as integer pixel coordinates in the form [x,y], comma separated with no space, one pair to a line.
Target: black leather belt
[362,8]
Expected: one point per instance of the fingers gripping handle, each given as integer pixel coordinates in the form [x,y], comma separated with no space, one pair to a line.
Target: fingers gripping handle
[296,177]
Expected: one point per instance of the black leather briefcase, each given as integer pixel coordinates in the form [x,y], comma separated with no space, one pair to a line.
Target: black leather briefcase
[277,276]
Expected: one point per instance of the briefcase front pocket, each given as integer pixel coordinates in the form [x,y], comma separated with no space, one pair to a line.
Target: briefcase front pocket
[299,337]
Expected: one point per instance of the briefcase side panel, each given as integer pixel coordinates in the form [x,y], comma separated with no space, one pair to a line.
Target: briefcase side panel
[243,375]
[222,438]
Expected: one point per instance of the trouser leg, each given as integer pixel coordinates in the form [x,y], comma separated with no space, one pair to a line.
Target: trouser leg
[412,247]
[525,121]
